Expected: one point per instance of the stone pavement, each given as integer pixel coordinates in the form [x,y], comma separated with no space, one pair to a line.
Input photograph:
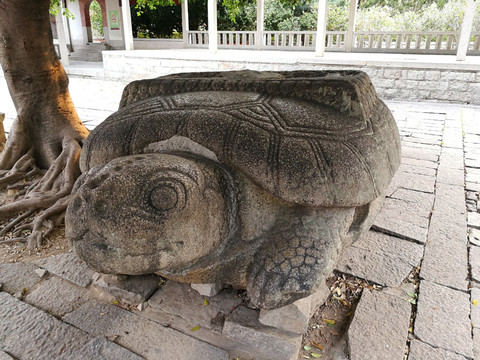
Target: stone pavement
[423,252]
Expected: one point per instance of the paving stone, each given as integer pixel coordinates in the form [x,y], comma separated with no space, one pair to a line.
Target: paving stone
[142,336]
[403,218]
[476,343]
[446,257]
[420,202]
[4,355]
[474,236]
[57,297]
[380,258]
[261,342]
[452,158]
[69,267]
[450,176]
[475,263]
[415,153]
[475,309]
[443,318]
[192,307]
[100,348]
[473,219]
[422,351]
[130,289]
[471,186]
[28,333]
[405,180]
[15,277]
[450,200]
[379,327]
[420,163]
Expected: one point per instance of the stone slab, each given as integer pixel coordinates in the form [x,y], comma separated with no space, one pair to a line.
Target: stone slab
[193,305]
[420,163]
[406,180]
[415,153]
[473,219]
[379,327]
[140,335]
[69,267]
[100,348]
[15,277]
[261,342]
[4,355]
[450,176]
[131,289]
[475,263]
[475,307]
[422,351]
[207,289]
[476,343]
[57,296]
[443,318]
[28,333]
[387,261]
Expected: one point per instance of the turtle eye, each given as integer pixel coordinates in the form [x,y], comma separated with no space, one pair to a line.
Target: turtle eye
[167,197]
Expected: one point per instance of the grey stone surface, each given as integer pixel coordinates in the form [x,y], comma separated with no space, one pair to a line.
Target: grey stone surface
[422,351]
[207,289]
[296,316]
[379,327]
[250,145]
[381,258]
[415,153]
[475,306]
[15,277]
[193,306]
[262,342]
[447,311]
[450,176]
[132,289]
[100,348]
[473,219]
[28,333]
[475,263]
[142,336]
[403,218]
[405,180]
[57,296]
[69,267]
[476,343]
[4,355]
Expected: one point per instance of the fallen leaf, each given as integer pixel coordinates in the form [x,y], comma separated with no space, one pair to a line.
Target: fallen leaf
[305,357]
[205,302]
[315,355]
[195,328]
[475,302]
[115,302]
[329,322]
[308,348]
[317,345]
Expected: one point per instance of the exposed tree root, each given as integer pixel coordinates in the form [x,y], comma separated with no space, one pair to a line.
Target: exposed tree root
[51,193]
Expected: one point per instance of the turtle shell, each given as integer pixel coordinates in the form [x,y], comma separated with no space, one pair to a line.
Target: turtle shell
[316,138]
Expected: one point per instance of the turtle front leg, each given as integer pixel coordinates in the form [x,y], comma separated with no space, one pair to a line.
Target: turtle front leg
[297,256]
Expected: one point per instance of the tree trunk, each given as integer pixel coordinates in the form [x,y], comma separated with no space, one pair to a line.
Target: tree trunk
[47,133]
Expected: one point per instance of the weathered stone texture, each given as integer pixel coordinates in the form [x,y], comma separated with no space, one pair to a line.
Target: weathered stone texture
[100,348]
[379,328]
[69,267]
[15,277]
[29,333]
[4,355]
[144,337]
[448,312]
[57,297]
[422,351]
[475,263]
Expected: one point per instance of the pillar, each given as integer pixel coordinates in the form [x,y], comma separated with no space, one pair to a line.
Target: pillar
[127,25]
[185,24]
[349,37]
[464,41]
[62,42]
[212,26]
[321,27]
[260,28]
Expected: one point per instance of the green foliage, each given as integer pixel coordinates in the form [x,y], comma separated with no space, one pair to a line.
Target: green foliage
[56,6]
[96,20]
[285,17]
[143,5]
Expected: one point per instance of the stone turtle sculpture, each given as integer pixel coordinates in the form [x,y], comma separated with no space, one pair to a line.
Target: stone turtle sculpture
[252,179]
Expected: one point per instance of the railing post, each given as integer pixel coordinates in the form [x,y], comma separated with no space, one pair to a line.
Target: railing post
[127,25]
[212,26]
[185,26]
[464,41]
[321,27]
[260,18]
[351,26]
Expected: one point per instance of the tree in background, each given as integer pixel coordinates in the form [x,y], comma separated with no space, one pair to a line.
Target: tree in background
[96,20]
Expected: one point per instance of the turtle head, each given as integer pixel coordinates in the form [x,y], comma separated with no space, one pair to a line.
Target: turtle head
[153,212]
